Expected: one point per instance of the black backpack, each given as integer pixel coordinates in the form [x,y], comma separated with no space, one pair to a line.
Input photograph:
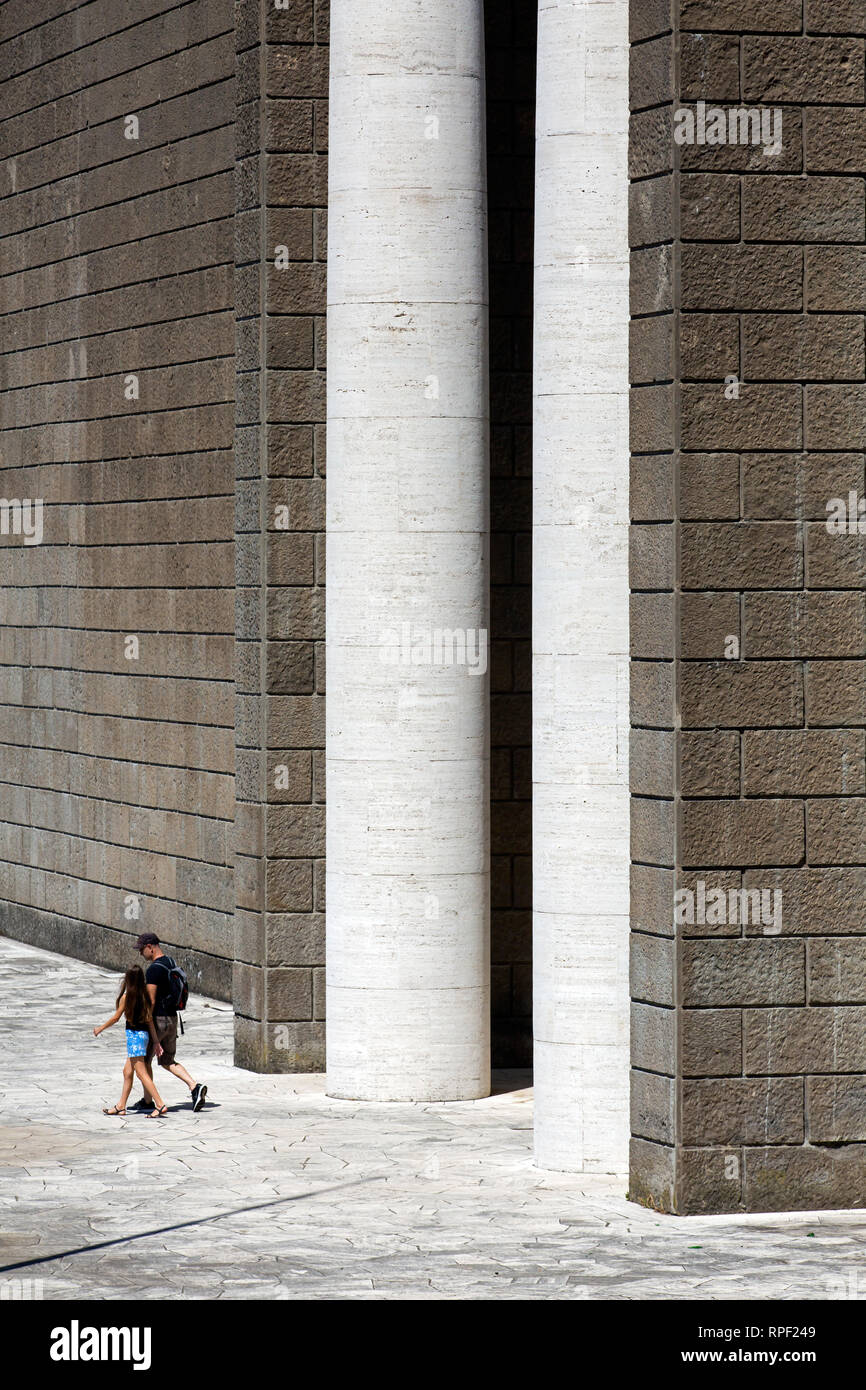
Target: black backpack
[178,985]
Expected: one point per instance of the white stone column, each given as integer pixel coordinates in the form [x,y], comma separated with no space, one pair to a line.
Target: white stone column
[580,589]
[407,573]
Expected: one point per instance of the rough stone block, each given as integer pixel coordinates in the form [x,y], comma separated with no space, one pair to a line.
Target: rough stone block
[709,207]
[708,621]
[652,1175]
[836,692]
[784,1042]
[712,1042]
[652,1106]
[733,694]
[806,625]
[815,902]
[653,1038]
[652,626]
[709,764]
[837,1109]
[730,974]
[724,279]
[805,762]
[777,16]
[836,830]
[746,555]
[837,972]
[653,970]
[803,1179]
[652,830]
[767,1110]
[742,832]
[710,67]
[709,1180]
[803,69]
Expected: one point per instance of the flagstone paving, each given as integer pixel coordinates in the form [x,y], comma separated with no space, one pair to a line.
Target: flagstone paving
[275,1191]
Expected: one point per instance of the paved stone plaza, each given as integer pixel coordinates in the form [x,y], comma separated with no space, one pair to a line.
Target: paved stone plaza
[274,1191]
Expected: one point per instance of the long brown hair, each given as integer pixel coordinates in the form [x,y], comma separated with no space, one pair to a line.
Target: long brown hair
[137,1007]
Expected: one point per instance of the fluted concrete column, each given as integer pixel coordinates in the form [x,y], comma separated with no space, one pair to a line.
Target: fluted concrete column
[407,581]
[580,588]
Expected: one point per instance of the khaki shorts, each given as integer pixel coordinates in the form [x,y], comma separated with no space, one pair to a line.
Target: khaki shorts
[166,1031]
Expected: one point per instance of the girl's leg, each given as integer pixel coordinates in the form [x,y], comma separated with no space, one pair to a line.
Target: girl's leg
[147,1083]
[127,1084]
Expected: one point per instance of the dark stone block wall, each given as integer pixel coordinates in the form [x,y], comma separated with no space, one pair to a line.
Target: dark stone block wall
[280,297]
[748,615]
[116,770]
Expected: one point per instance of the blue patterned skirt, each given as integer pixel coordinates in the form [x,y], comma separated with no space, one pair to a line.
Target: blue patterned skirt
[136,1042]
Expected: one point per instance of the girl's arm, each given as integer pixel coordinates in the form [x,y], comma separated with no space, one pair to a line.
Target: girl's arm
[114,1017]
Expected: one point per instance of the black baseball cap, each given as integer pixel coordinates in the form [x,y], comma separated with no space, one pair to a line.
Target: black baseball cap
[147,938]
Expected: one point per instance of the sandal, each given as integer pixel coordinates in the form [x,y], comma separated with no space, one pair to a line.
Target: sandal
[114,1111]
[158,1114]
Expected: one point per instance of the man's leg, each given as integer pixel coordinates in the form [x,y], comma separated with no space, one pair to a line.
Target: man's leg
[197,1093]
[177,1070]
[167,1031]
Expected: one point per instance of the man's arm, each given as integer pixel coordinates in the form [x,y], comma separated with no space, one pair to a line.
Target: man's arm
[151,987]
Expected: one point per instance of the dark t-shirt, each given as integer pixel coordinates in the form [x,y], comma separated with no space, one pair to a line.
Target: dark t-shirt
[157,974]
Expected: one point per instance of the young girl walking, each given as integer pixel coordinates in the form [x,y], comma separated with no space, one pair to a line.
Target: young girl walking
[132,1001]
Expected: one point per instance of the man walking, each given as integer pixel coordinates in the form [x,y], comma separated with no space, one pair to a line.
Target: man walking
[162,1002]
